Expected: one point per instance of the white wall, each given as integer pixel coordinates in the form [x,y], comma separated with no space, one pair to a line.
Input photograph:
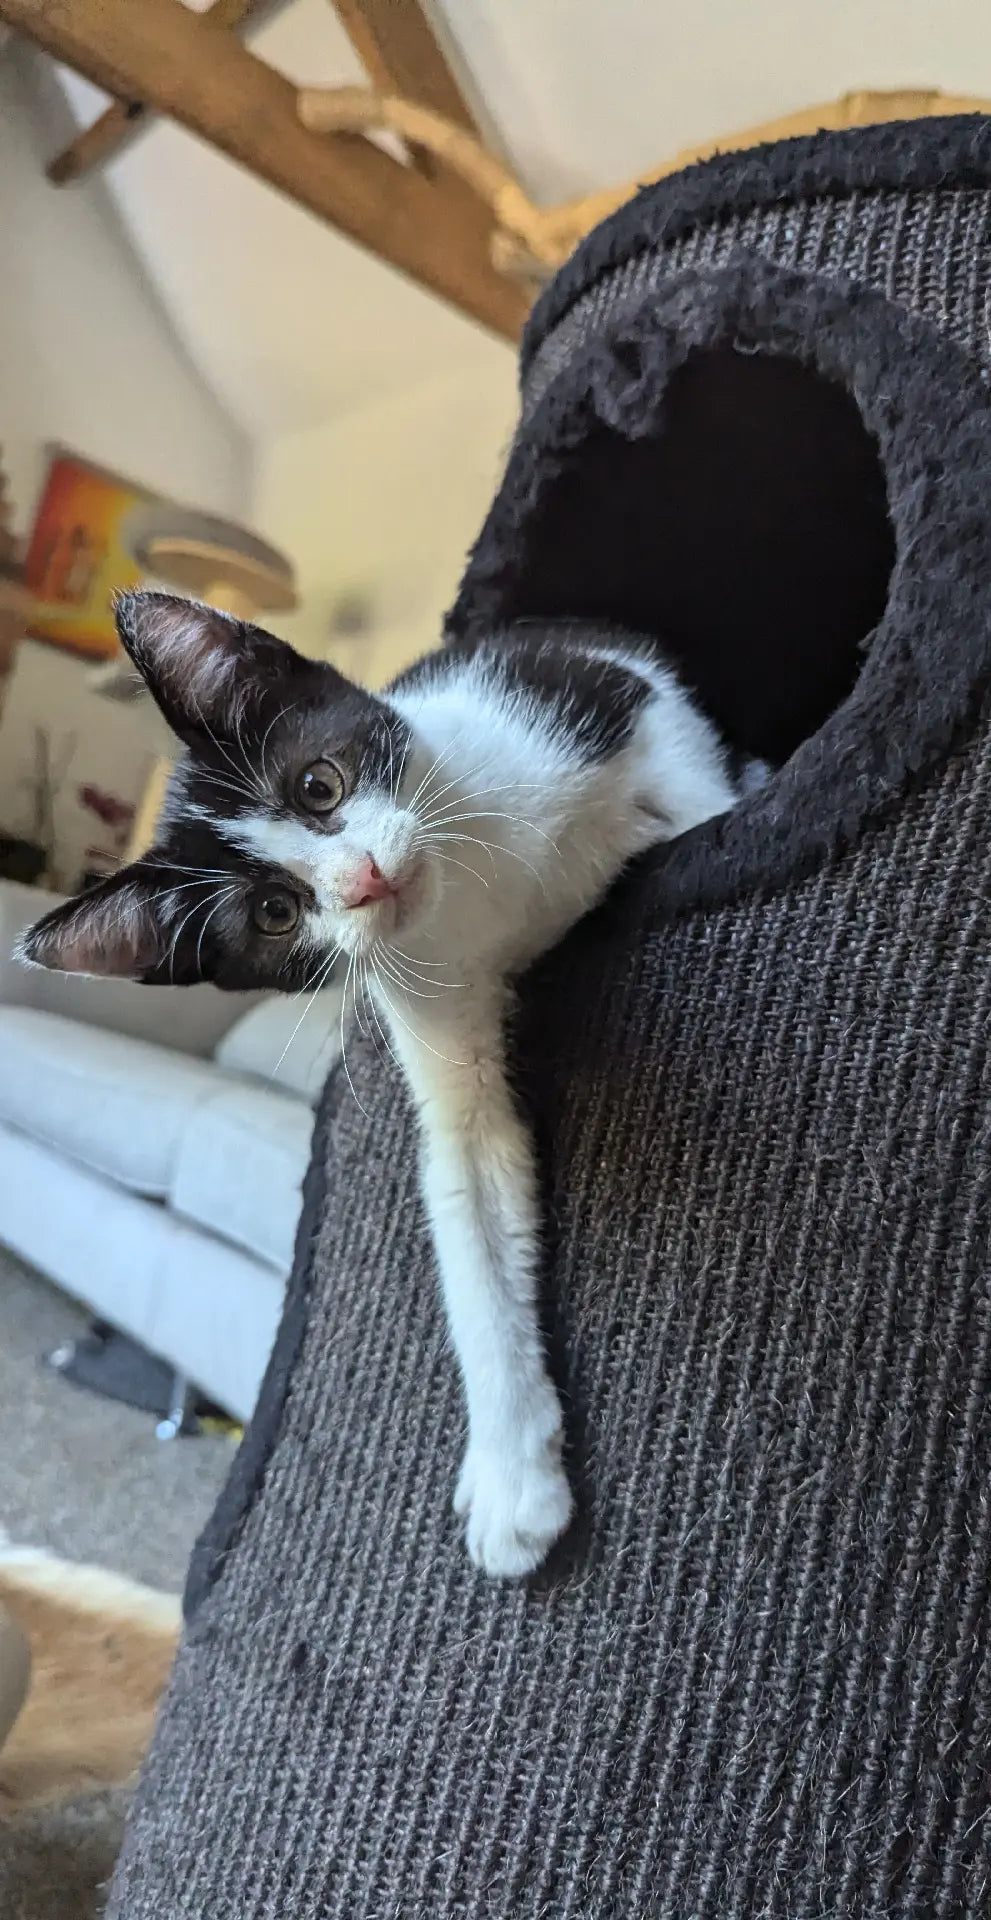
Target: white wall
[587,93]
[86,354]
[386,501]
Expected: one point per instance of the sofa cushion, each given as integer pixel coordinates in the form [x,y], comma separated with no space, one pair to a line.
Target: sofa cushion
[281,1040]
[240,1167]
[118,1105]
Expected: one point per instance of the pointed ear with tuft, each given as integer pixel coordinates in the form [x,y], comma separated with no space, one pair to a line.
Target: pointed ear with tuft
[205,669]
[118,928]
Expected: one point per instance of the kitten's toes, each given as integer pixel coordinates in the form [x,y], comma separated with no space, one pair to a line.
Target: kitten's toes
[515,1510]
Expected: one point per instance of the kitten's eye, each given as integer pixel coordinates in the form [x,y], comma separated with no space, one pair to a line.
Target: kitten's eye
[320,788]
[275,911]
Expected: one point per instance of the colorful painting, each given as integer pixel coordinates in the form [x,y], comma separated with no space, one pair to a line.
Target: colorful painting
[79,555]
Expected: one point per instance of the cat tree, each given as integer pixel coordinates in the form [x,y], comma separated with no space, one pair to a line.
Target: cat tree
[754,1682]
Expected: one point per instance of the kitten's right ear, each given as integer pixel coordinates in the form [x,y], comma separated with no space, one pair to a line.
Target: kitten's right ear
[205,669]
[117,928]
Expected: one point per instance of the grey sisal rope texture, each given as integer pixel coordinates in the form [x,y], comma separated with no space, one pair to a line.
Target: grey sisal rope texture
[754,1682]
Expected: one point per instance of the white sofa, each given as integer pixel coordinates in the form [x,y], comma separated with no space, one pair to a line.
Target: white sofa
[148,1164]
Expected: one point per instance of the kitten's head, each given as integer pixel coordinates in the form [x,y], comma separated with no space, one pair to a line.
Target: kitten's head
[284,837]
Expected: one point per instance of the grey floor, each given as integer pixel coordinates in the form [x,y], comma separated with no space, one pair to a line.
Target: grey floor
[83,1476]
[86,1479]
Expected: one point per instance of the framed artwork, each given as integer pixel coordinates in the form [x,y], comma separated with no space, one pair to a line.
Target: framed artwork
[80,554]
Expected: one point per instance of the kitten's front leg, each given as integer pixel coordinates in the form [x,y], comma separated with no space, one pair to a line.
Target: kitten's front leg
[479,1186]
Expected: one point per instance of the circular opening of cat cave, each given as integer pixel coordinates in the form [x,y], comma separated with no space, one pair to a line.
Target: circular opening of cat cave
[750,533]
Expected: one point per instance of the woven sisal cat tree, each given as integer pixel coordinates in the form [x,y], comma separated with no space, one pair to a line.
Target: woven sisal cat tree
[755,1681]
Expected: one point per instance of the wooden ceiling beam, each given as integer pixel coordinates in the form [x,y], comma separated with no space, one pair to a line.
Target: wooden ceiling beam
[115,129]
[91,149]
[160,52]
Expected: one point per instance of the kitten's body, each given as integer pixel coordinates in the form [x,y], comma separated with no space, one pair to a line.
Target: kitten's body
[489,800]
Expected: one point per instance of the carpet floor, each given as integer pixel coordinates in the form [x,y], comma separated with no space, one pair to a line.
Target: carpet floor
[87,1479]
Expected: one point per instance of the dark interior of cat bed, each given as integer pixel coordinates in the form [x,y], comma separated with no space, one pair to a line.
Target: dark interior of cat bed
[786,482]
[751,533]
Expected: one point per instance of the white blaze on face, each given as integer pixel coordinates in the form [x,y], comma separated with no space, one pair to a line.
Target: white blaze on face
[367,824]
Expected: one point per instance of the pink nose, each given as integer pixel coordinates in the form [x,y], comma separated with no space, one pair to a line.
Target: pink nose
[365,884]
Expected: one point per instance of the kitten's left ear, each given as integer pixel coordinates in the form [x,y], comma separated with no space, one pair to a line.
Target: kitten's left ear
[120,927]
[204,668]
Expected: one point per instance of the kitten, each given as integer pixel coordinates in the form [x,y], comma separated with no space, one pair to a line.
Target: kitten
[429,842]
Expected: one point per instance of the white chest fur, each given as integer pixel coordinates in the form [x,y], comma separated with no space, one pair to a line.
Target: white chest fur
[538,833]
[541,831]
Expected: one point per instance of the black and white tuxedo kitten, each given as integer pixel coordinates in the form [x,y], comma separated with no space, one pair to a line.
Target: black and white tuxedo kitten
[429,842]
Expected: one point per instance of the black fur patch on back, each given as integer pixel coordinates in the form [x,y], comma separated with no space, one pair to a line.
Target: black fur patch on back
[555,664]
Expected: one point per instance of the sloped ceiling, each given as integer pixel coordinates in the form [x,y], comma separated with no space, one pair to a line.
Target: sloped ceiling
[291,324]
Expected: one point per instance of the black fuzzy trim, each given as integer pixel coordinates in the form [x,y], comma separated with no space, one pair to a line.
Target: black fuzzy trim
[900,155]
[926,666]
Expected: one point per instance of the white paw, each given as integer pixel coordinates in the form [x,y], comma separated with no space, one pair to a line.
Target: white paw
[516,1501]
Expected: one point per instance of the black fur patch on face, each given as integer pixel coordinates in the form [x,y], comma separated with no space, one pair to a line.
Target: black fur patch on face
[216,934]
[321,718]
[186,913]
[251,710]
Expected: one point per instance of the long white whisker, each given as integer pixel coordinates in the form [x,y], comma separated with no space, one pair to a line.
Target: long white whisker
[434,768]
[362,1029]
[231,779]
[227,774]
[240,742]
[307,984]
[430,799]
[361,977]
[175,866]
[463,864]
[267,733]
[402,763]
[420,963]
[205,880]
[418,1037]
[482,793]
[231,762]
[344,1053]
[223,785]
[374,1015]
[186,886]
[404,965]
[321,977]
[414,797]
[228,891]
[520,819]
[378,1018]
[406,986]
[195,908]
[492,847]
[476,773]
[392,763]
[466,840]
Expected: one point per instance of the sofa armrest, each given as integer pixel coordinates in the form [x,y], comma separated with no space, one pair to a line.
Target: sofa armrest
[191,1019]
